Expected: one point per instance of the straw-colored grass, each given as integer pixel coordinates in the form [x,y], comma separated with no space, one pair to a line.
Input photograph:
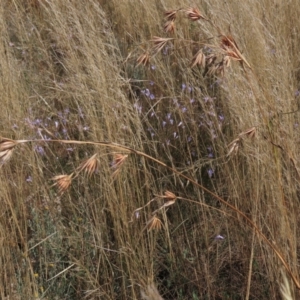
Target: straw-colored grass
[149,142]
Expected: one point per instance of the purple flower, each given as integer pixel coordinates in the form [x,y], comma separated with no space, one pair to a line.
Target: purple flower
[29,179]
[219,237]
[210,172]
[39,149]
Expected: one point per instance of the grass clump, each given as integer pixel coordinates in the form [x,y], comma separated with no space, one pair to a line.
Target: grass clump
[149,150]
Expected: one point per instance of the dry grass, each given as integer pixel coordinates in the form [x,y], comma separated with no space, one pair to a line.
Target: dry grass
[194,184]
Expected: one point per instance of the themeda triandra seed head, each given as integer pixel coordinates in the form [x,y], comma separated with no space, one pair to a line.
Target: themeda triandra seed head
[89,166]
[63,182]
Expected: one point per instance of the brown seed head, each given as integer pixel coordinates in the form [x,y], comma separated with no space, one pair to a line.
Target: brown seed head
[154,223]
[234,146]
[228,42]
[169,195]
[251,132]
[159,43]
[62,182]
[194,14]
[90,165]
[143,59]
[6,149]
[199,59]
[210,59]
[119,159]
[170,15]
[169,26]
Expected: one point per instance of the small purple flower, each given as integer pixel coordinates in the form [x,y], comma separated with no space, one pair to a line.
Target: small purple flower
[153,67]
[164,123]
[152,97]
[210,172]
[29,179]
[39,149]
[183,86]
[219,237]
[192,101]
[210,152]
[184,109]
[221,118]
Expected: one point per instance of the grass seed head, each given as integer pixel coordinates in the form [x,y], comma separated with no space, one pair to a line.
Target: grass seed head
[199,59]
[159,43]
[154,223]
[194,14]
[90,165]
[169,27]
[63,182]
[119,160]
[234,147]
[210,59]
[143,59]
[169,195]
[251,132]
[6,149]
[170,15]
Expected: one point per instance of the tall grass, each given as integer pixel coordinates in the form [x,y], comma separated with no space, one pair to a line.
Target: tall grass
[192,176]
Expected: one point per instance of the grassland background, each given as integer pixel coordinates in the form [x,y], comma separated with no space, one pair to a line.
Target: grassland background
[69,70]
